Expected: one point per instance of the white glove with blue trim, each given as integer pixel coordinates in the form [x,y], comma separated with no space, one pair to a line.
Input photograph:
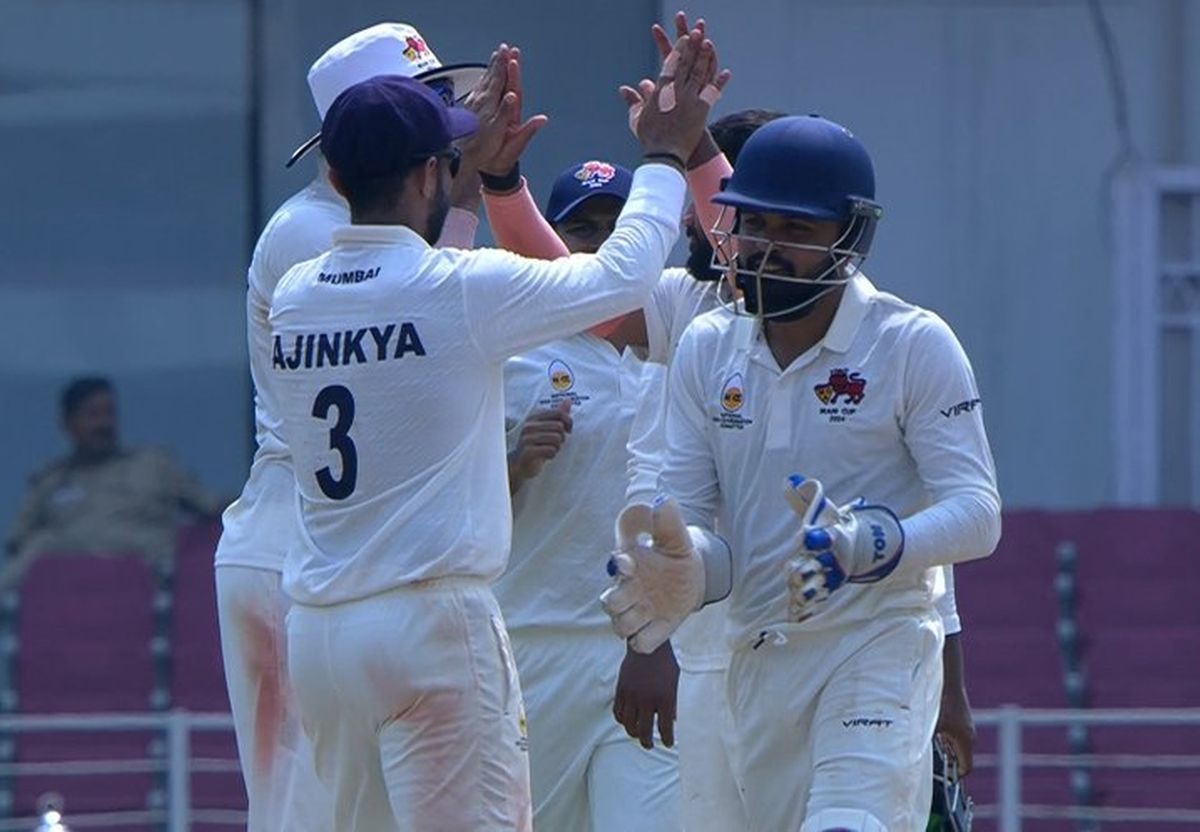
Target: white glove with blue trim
[858,544]
[660,575]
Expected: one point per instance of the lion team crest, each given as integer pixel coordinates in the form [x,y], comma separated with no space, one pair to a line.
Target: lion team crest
[842,382]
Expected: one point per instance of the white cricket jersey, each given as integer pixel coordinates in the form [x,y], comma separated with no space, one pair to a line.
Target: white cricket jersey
[676,300]
[259,524]
[387,366]
[299,230]
[885,407]
[563,519]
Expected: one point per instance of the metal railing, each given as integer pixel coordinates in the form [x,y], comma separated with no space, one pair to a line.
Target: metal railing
[177,728]
[1008,761]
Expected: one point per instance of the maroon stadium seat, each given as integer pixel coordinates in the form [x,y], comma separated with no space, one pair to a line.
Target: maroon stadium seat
[1139,630]
[84,628]
[1139,579]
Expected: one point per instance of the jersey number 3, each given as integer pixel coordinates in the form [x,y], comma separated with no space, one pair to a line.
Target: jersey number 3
[339,440]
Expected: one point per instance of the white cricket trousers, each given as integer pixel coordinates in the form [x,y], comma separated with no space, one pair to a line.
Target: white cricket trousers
[413,706]
[838,719]
[588,774]
[711,799]
[276,758]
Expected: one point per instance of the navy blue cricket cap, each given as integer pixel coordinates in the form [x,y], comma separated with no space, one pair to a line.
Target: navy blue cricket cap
[581,182]
[387,124]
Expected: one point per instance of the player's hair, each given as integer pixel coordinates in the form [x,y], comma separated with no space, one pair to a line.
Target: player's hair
[732,131]
[368,195]
[79,390]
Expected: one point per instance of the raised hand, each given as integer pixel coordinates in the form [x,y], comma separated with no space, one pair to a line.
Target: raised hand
[503,135]
[484,100]
[704,70]
[664,42]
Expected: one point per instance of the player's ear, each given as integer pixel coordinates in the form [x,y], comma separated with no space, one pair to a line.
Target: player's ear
[428,174]
[336,182]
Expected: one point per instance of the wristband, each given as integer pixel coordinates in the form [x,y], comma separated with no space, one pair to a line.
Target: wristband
[503,183]
[666,158]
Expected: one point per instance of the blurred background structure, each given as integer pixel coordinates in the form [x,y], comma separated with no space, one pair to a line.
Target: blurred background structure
[1039,165]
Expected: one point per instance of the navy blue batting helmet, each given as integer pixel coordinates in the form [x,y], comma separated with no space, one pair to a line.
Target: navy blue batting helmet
[810,167]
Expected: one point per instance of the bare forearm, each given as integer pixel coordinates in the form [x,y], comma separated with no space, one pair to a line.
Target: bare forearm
[952,665]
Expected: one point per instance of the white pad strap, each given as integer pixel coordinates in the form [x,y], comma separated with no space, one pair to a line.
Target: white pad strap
[718,564]
[843,820]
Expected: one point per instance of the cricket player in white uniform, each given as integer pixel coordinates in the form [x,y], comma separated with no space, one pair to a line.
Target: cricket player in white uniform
[836,670]
[711,797]
[281,784]
[387,365]
[586,774]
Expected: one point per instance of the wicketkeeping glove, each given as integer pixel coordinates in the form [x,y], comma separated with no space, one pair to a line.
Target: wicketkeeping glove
[659,575]
[858,544]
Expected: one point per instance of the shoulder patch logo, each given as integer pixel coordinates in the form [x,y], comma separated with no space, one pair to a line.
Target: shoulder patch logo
[733,403]
[732,395]
[561,377]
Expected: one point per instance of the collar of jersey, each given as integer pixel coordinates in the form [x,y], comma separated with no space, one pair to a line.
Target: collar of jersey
[378,235]
[851,311]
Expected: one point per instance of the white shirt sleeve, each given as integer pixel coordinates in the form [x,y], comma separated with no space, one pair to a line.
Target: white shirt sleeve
[689,473]
[676,301]
[943,428]
[515,303]
[647,437]
[946,606]
[660,314]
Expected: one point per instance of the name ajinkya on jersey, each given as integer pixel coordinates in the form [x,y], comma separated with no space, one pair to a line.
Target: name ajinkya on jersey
[331,349]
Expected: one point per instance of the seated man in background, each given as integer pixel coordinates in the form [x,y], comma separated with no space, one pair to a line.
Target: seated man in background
[101,498]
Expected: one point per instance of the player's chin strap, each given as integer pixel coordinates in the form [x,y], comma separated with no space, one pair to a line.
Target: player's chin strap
[843,820]
[844,258]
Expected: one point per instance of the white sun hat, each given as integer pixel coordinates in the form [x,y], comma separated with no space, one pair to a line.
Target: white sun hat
[383,49]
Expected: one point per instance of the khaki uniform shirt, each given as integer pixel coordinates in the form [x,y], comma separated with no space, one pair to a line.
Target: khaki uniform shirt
[126,505]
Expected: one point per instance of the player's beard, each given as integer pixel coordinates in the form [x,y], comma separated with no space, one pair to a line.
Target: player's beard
[778,295]
[438,212]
